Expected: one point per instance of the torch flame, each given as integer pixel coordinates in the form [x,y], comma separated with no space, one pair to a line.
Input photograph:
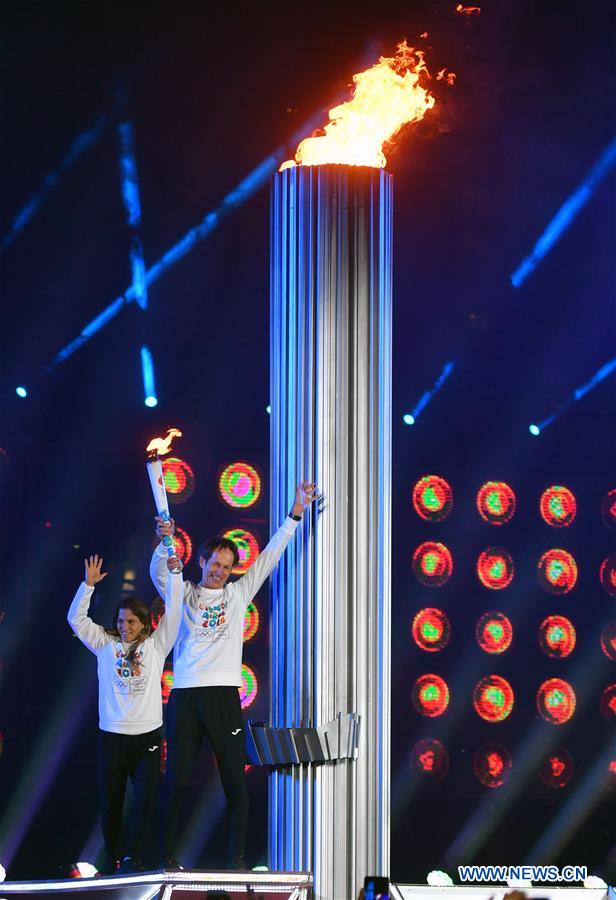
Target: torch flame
[161,446]
[387,96]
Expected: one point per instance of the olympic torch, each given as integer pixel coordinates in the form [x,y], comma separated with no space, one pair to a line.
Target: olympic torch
[156,448]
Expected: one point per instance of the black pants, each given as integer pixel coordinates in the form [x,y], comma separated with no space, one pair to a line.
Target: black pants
[214,713]
[123,756]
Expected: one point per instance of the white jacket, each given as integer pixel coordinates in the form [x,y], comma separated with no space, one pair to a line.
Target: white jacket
[129,695]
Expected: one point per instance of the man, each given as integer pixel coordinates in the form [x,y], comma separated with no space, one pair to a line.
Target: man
[207,663]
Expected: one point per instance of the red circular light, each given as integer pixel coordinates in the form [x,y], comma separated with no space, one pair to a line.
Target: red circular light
[432,498]
[494,632]
[179,479]
[251,622]
[496,502]
[610,774]
[557,637]
[492,765]
[608,640]
[557,572]
[607,575]
[430,759]
[183,545]
[493,698]
[557,506]
[430,695]
[608,703]
[556,701]
[247,547]
[608,509]
[495,568]
[556,770]
[431,630]
[432,563]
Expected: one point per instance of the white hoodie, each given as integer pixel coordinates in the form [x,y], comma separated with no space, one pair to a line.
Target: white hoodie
[129,695]
[209,646]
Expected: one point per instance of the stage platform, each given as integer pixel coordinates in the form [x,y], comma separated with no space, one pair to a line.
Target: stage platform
[173,886]
[196,885]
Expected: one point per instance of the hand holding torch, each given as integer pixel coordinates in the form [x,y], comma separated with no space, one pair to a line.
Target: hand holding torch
[156,448]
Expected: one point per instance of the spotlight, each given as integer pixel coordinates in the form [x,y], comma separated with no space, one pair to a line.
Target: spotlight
[268,409]
[408,419]
[2,872]
[149,384]
[436,878]
[534,430]
[87,870]
[151,401]
[21,391]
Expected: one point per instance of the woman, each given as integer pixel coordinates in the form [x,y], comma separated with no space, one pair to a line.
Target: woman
[130,658]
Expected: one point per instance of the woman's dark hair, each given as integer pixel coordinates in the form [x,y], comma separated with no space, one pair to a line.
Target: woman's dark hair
[139,609]
[218,543]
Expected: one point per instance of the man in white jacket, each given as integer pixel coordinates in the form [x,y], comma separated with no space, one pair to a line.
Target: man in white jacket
[207,664]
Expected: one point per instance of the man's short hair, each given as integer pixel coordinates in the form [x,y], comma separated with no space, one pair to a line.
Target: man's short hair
[218,543]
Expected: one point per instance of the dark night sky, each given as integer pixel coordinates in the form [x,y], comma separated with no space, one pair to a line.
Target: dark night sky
[211,92]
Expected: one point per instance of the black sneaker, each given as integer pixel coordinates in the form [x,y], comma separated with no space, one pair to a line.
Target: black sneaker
[130,866]
[172,865]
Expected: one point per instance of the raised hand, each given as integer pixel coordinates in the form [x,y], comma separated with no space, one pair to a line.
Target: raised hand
[93,570]
[164,529]
[307,492]
[175,564]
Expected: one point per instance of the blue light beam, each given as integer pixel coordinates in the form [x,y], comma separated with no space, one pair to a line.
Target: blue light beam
[426,397]
[83,142]
[600,375]
[149,384]
[234,199]
[566,214]
[132,207]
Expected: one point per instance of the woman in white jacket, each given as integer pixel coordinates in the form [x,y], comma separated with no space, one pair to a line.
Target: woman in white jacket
[130,657]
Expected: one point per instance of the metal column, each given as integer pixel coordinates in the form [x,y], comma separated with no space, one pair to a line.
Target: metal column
[331,276]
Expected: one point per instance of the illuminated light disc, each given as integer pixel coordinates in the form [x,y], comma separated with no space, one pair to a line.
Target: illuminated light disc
[494,632]
[251,622]
[431,629]
[432,498]
[247,546]
[430,760]
[608,703]
[240,485]
[179,479]
[166,683]
[493,698]
[557,572]
[556,769]
[557,506]
[496,502]
[492,765]
[495,568]
[607,575]
[608,640]
[183,545]
[556,701]
[608,509]
[249,688]
[432,564]
[557,637]
[430,695]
